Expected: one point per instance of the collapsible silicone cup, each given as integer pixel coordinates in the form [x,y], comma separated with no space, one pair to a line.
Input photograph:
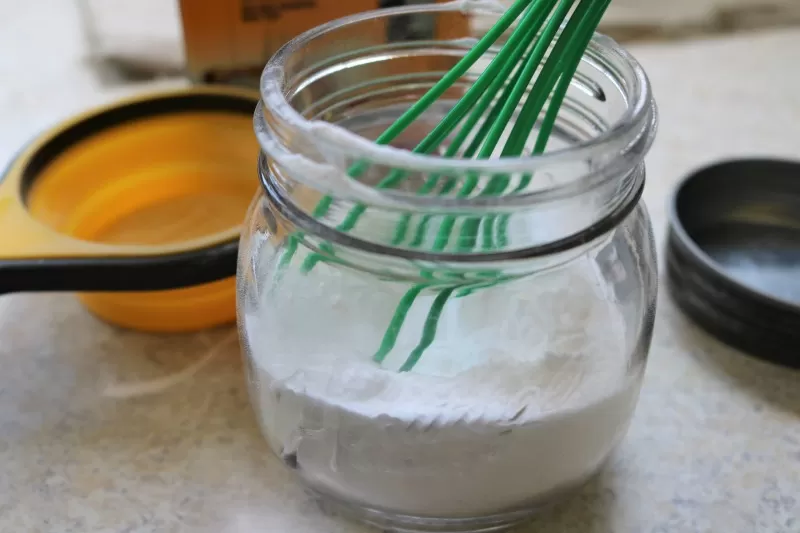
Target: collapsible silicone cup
[138,206]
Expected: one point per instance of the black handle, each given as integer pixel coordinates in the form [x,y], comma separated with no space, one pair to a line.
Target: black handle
[147,273]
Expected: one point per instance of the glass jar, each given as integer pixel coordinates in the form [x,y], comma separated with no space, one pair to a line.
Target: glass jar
[441,361]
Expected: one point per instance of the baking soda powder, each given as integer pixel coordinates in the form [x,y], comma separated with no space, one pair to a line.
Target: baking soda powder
[525,391]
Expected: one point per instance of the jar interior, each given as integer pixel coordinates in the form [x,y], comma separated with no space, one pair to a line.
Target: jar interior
[363,75]
[358,75]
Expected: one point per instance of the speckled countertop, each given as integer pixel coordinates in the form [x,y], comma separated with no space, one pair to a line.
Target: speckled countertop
[714,446]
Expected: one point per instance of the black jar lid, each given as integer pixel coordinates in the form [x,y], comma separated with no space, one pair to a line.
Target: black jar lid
[733,255]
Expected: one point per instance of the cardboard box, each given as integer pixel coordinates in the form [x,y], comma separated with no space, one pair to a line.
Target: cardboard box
[230,41]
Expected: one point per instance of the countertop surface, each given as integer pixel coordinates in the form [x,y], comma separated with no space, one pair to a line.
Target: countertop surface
[714,445]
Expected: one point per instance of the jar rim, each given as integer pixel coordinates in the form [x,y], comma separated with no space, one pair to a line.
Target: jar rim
[584,237]
[639,118]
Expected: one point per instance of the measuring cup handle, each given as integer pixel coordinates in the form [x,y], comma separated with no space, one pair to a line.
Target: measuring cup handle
[142,273]
[35,258]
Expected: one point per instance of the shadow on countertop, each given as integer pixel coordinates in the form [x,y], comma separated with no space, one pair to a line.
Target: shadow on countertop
[776,385]
[590,510]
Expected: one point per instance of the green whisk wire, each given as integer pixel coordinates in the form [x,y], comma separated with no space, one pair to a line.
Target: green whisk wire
[422,105]
[537,19]
[509,73]
[469,230]
[566,53]
[571,59]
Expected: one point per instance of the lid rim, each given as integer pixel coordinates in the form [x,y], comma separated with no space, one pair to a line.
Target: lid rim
[776,353]
[760,324]
[679,236]
[734,307]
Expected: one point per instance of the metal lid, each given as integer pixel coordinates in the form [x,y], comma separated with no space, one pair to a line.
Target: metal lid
[733,255]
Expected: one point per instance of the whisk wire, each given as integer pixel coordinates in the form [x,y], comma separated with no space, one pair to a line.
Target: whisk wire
[571,61]
[448,123]
[566,55]
[536,63]
[474,118]
[537,97]
[455,73]
[470,228]
[527,42]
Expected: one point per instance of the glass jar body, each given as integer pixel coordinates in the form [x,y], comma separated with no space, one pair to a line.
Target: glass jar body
[524,391]
[442,343]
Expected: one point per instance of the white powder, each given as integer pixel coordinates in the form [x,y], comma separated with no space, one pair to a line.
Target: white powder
[524,392]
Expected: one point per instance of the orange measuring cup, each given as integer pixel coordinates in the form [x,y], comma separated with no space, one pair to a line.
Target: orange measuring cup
[137,206]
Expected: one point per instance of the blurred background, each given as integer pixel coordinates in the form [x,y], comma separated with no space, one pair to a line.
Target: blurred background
[60,56]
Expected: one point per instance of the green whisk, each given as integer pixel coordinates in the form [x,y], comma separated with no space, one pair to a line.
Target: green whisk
[534,69]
